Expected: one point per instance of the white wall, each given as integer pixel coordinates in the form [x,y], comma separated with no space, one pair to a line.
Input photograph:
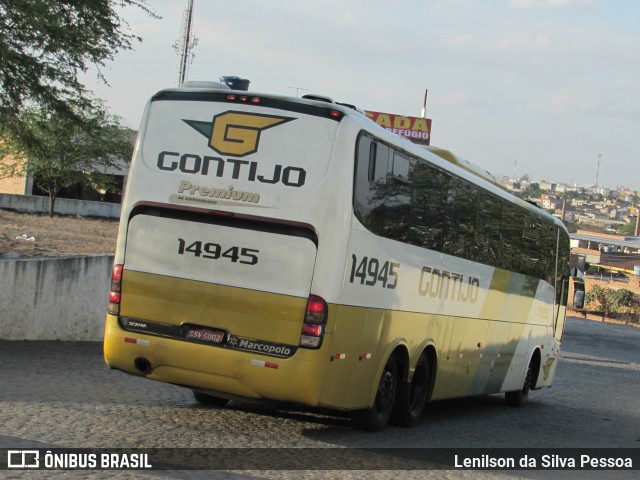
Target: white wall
[63,206]
[63,298]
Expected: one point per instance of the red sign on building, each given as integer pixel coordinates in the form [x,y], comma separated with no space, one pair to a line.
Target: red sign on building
[416,129]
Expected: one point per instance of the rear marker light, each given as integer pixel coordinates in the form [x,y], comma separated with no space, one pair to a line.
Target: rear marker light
[114,294]
[315,321]
[335,114]
[260,363]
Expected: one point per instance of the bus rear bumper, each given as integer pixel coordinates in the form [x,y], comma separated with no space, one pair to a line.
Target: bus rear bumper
[213,369]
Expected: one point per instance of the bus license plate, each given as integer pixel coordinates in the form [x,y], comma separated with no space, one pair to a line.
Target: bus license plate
[205,335]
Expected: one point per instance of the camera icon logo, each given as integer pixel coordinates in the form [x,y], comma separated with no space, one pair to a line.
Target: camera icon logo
[23,459]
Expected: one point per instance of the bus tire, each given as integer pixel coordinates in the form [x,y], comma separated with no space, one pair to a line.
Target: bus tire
[209,400]
[519,397]
[412,396]
[375,418]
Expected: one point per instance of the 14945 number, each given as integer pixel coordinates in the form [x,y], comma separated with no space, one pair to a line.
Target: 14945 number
[371,272]
[214,251]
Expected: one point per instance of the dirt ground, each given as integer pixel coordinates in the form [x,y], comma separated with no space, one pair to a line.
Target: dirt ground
[39,235]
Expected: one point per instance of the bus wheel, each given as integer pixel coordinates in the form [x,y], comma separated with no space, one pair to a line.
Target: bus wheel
[375,418]
[209,400]
[412,397]
[520,397]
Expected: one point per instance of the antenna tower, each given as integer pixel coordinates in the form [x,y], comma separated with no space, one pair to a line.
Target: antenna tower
[184,45]
[598,168]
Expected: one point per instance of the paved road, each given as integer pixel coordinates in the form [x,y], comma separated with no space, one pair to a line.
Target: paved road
[61,395]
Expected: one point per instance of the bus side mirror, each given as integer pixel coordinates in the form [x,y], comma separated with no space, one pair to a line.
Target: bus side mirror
[574,272]
[578,299]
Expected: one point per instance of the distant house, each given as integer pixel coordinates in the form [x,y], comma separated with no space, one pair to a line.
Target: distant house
[607,250]
[23,184]
[550,201]
[548,186]
[562,188]
[18,184]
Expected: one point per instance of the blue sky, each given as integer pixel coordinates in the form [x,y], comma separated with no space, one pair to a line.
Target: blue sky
[536,86]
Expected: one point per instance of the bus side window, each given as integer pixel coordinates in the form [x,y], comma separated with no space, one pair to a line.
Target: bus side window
[532,240]
[401,168]
[488,223]
[461,206]
[427,215]
[370,183]
[563,270]
[549,246]
[398,198]
[372,162]
[513,219]
[381,162]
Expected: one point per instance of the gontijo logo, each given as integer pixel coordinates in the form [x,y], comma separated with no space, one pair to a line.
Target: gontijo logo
[236,133]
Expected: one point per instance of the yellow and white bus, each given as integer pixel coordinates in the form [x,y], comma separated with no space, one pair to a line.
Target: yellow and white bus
[290,249]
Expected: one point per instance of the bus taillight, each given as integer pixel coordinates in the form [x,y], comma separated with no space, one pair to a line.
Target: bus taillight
[114,294]
[315,321]
[243,99]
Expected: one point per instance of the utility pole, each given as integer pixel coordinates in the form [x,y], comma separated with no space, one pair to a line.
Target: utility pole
[423,114]
[184,45]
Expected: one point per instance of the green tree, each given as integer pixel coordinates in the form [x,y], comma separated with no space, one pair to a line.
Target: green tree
[627,229]
[45,44]
[533,190]
[599,298]
[623,301]
[62,151]
[579,195]
[609,300]
[573,227]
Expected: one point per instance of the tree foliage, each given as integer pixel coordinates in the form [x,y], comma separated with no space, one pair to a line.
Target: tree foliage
[533,190]
[598,298]
[623,301]
[607,300]
[45,44]
[62,151]
[627,229]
